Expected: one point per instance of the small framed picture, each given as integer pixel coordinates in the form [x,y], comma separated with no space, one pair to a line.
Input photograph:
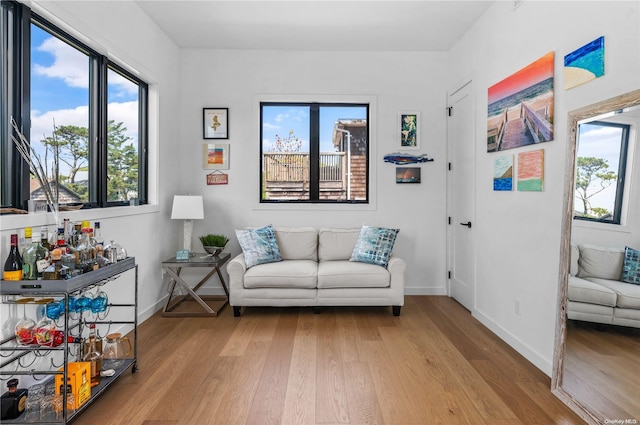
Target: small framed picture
[216,156]
[215,123]
[408,175]
[409,130]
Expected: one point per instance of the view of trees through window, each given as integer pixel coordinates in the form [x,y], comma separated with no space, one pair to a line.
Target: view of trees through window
[314,152]
[600,168]
[60,123]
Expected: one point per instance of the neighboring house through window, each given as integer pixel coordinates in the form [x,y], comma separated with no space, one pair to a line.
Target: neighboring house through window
[314,152]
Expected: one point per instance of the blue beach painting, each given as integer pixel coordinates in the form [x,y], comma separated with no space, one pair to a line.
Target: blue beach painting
[503,173]
[584,64]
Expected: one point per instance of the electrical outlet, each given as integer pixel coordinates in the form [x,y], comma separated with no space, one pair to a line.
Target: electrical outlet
[516,307]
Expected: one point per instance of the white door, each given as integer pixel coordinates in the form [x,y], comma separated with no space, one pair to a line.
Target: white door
[460,195]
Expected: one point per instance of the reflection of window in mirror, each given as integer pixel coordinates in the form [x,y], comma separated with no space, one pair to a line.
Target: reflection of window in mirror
[600,171]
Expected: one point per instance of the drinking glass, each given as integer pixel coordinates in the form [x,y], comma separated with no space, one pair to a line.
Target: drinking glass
[26,327]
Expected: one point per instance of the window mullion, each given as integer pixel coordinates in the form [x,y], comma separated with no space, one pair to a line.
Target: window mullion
[314,152]
[97,131]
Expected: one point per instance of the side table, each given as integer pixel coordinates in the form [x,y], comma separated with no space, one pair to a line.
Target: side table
[173,267]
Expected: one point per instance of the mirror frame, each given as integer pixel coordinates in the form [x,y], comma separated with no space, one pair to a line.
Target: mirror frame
[574,117]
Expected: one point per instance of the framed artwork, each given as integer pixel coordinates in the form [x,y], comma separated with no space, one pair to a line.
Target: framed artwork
[584,64]
[408,175]
[503,173]
[409,128]
[520,110]
[215,123]
[216,156]
[531,171]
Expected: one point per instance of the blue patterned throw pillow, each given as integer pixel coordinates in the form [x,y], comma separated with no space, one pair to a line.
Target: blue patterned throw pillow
[374,245]
[631,266]
[259,246]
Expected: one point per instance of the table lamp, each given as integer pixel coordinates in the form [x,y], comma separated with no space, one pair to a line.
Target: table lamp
[187,208]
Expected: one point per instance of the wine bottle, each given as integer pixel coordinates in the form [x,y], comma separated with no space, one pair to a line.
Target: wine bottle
[13,265]
[94,357]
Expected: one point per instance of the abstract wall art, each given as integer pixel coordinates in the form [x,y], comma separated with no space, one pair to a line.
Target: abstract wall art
[584,64]
[503,173]
[531,171]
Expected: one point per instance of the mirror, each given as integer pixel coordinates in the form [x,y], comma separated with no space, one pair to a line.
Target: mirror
[596,368]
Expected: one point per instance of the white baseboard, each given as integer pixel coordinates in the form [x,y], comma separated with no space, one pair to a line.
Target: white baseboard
[545,365]
[415,290]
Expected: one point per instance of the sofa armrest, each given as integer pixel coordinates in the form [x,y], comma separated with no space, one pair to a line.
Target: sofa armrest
[396,268]
[236,268]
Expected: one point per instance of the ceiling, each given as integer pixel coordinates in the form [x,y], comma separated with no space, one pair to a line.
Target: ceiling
[334,25]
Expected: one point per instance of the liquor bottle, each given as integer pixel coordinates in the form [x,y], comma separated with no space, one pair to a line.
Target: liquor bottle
[25,242]
[94,357]
[97,234]
[13,265]
[13,401]
[34,261]
[44,238]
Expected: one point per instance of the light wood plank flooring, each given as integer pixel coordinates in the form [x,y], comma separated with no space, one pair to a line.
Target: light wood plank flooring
[602,365]
[434,364]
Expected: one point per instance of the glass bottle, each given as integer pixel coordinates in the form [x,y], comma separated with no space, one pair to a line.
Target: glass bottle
[13,401]
[87,252]
[34,261]
[26,241]
[94,357]
[97,234]
[44,238]
[13,264]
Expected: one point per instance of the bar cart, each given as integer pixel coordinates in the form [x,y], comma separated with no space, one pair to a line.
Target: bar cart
[43,364]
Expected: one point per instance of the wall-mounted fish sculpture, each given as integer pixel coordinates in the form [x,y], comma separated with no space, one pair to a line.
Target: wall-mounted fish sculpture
[406,158]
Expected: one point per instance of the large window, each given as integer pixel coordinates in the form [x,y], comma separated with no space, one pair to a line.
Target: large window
[314,152]
[600,171]
[84,116]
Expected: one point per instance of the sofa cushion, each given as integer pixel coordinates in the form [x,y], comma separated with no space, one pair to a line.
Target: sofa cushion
[283,274]
[628,295]
[631,266]
[298,243]
[336,244]
[347,274]
[374,245]
[585,291]
[259,246]
[600,262]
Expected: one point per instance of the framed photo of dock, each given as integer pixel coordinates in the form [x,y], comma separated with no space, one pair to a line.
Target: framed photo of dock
[520,110]
[409,130]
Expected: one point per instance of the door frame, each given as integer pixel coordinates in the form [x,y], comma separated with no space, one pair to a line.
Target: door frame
[467,84]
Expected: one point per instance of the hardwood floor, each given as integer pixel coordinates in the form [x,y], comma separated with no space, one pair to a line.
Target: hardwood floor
[601,369]
[434,364]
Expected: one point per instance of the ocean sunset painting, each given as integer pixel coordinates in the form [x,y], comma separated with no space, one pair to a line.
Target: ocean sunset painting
[520,110]
[584,64]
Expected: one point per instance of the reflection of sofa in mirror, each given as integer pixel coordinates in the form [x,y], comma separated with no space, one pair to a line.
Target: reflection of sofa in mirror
[596,292]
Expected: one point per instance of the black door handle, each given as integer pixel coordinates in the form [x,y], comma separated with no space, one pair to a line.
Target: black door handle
[468,224]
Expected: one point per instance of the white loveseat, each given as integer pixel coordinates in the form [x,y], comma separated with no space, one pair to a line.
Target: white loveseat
[596,292]
[315,271]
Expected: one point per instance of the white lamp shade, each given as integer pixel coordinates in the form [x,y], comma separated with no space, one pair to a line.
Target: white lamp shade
[187,207]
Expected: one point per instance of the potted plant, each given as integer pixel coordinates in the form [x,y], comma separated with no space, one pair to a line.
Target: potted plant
[214,243]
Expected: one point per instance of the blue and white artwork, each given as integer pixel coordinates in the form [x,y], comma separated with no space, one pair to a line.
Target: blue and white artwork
[584,64]
[503,173]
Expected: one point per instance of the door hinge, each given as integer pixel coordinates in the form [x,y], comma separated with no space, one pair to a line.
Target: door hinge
[449,166]
[450,110]
[449,220]
[448,275]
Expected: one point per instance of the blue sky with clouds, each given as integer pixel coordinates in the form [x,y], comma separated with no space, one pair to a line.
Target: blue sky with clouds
[281,119]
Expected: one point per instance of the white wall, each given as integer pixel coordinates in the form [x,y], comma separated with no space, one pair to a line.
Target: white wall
[391,81]
[124,33]
[518,233]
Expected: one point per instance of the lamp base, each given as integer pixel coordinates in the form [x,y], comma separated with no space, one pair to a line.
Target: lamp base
[188,233]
